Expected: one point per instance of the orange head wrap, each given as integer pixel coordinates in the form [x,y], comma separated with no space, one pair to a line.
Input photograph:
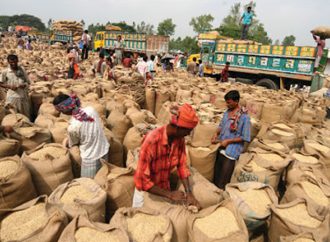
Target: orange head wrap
[186,117]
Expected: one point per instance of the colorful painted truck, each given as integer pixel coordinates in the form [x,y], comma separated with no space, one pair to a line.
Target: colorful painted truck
[134,42]
[271,66]
[60,36]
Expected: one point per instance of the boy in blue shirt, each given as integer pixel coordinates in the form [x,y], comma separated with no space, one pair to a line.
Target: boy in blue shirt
[246,21]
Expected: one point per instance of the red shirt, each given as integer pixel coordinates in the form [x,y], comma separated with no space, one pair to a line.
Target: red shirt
[127,62]
[224,75]
[157,160]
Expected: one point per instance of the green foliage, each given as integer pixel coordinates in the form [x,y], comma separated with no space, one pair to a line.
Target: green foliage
[23,19]
[231,27]
[188,44]
[166,27]
[202,23]
[289,40]
[92,29]
[143,27]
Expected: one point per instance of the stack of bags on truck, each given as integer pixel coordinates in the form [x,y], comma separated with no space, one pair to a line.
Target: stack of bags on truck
[72,26]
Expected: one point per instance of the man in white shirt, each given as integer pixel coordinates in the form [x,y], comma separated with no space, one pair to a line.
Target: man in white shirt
[85,130]
[142,67]
[119,48]
[85,38]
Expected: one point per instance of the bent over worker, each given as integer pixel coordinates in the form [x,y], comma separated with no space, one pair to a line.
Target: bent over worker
[85,130]
[162,150]
[232,132]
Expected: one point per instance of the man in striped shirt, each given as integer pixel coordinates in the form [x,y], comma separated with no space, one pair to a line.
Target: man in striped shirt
[163,150]
[232,132]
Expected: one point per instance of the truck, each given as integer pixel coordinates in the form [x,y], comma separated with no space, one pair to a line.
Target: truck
[63,37]
[271,66]
[134,42]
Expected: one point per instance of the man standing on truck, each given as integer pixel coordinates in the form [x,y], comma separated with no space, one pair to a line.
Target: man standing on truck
[232,132]
[320,46]
[119,48]
[246,21]
[85,38]
[162,150]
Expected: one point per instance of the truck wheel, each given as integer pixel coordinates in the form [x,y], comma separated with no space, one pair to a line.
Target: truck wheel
[268,83]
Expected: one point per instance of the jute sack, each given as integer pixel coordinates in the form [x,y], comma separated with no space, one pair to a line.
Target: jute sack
[116,151]
[285,133]
[59,130]
[205,192]
[150,117]
[178,214]
[252,200]
[309,115]
[275,112]
[119,124]
[183,95]
[82,229]
[255,107]
[203,134]
[322,31]
[45,120]
[81,196]
[314,191]
[260,166]
[32,221]
[16,120]
[113,105]
[221,222]
[31,137]
[150,99]
[16,184]
[143,224]
[136,116]
[48,108]
[269,145]
[9,147]
[164,116]
[314,147]
[135,135]
[298,217]
[133,158]
[50,166]
[303,164]
[118,183]
[75,158]
[203,159]
[304,237]
[162,96]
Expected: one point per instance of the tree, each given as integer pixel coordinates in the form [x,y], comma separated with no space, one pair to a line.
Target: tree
[145,28]
[289,40]
[23,19]
[166,27]
[231,27]
[202,23]
[95,28]
[188,45]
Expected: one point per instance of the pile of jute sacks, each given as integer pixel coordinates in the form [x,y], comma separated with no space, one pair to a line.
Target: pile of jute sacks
[279,190]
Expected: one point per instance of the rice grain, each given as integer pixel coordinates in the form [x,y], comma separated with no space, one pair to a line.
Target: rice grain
[85,234]
[257,199]
[315,193]
[7,168]
[305,158]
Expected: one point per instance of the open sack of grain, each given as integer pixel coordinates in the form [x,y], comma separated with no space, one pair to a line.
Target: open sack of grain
[143,224]
[314,191]
[304,237]
[260,166]
[50,166]
[133,158]
[81,196]
[206,193]
[269,145]
[203,159]
[118,183]
[298,217]
[16,184]
[221,222]
[178,214]
[285,133]
[309,115]
[253,200]
[82,229]
[35,220]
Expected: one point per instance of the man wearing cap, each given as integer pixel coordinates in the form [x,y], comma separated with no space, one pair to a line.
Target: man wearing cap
[162,150]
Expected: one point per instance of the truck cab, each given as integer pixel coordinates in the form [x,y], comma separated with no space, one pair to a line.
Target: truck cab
[61,36]
[99,40]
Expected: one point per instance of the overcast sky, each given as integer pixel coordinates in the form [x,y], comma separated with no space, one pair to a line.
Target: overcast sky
[280,17]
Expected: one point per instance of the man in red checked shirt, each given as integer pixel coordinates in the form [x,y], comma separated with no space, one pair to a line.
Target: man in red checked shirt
[225,73]
[162,150]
